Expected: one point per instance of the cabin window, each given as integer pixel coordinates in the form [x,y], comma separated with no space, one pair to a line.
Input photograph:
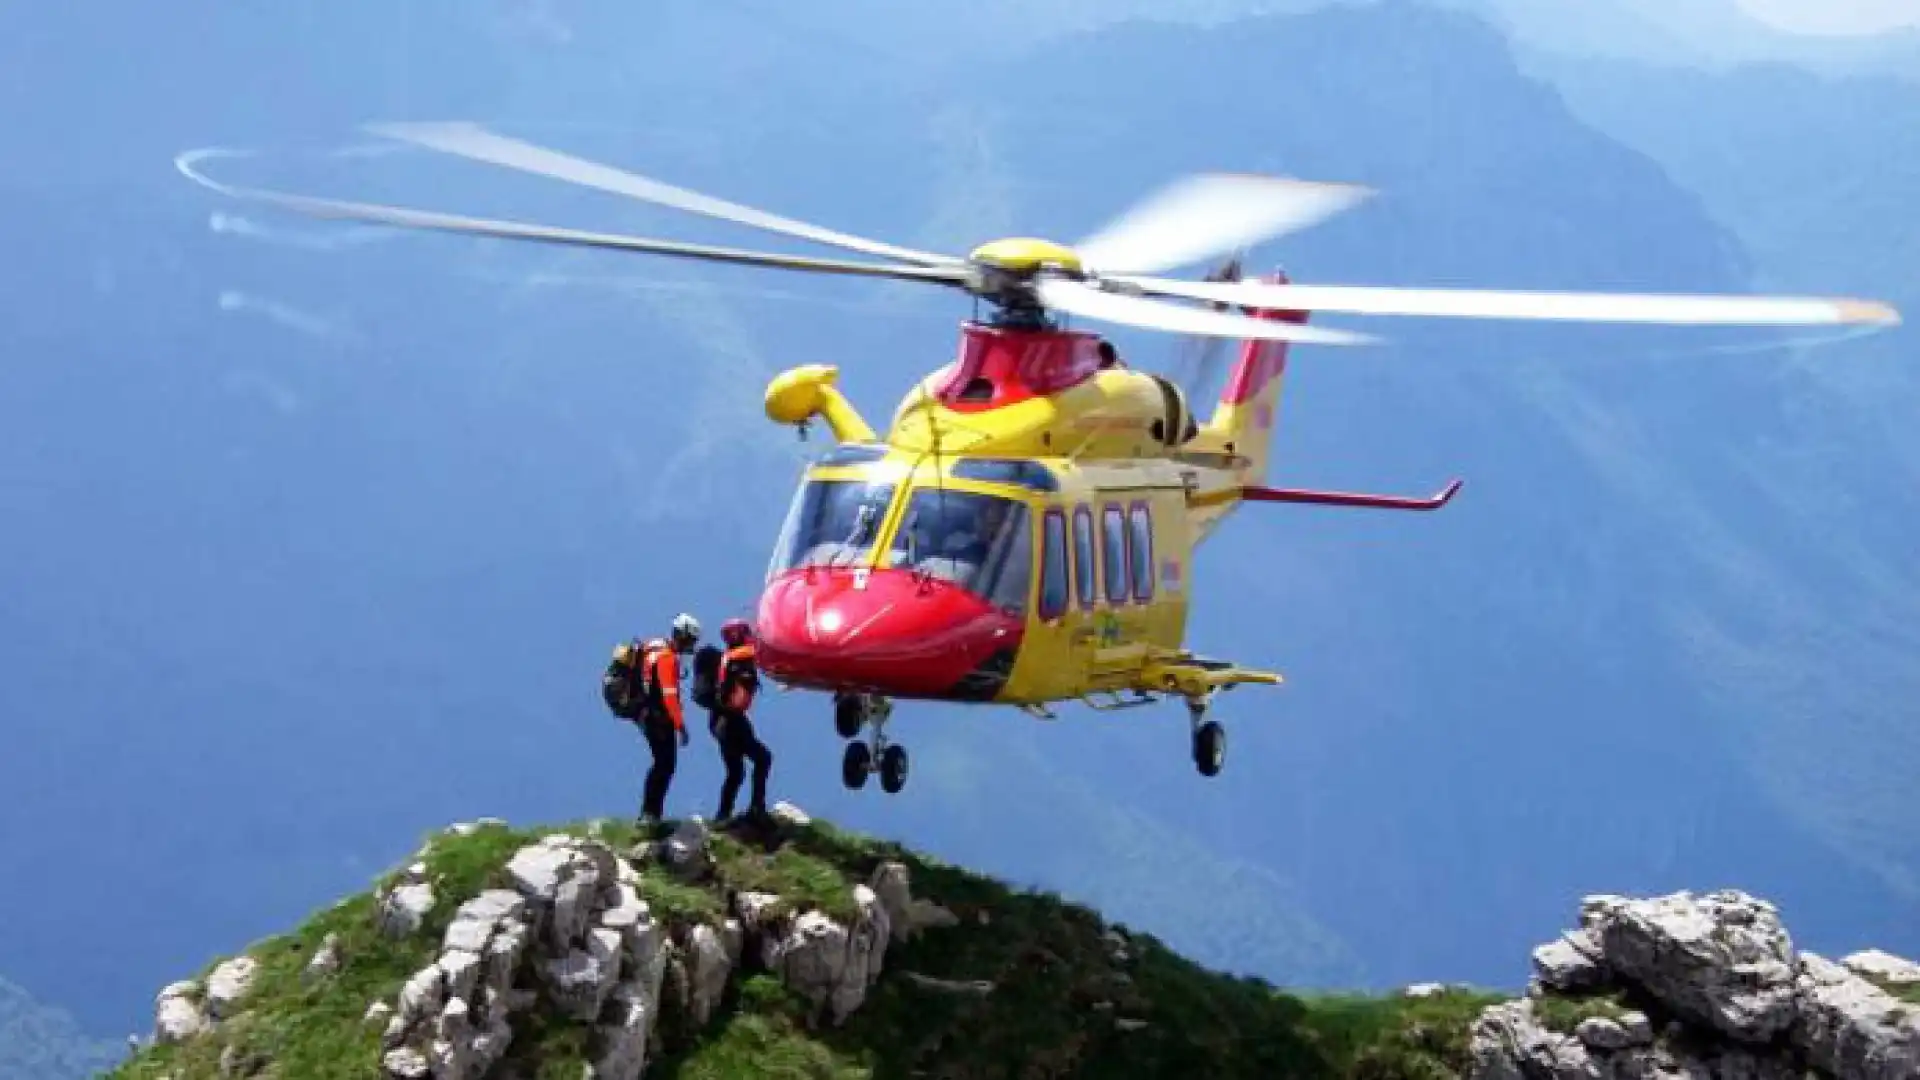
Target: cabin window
[1027,474]
[831,523]
[1114,556]
[1083,555]
[1053,565]
[981,543]
[1141,549]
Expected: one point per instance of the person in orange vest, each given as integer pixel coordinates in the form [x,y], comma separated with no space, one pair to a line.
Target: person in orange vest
[736,681]
[661,715]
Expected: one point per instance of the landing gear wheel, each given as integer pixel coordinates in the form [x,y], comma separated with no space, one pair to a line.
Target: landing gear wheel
[1209,748]
[849,713]
[855,766]
[893,769]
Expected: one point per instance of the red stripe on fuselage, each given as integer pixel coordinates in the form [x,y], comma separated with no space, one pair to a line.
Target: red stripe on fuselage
[1261,362]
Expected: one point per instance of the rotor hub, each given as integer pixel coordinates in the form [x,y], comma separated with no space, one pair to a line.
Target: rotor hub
[1003,272]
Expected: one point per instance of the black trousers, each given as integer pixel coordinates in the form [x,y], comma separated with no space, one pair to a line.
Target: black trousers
[738,745]
[665,744]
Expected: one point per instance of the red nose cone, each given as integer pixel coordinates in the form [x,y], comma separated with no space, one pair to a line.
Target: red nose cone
[884,632]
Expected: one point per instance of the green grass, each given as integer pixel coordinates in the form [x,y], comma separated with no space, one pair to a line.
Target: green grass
[1562,1012]
[1059,991]
[1908,993]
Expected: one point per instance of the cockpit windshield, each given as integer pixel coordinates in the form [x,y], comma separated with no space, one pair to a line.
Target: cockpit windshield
[979,542]
[832,523]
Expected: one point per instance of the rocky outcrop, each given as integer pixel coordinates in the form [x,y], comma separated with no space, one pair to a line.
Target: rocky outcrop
[569,936]
[1696,987]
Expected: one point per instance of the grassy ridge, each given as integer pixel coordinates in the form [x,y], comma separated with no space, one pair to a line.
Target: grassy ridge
[1065,1002]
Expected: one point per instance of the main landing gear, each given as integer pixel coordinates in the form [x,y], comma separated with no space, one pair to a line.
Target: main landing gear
[851,712]
[1209,739]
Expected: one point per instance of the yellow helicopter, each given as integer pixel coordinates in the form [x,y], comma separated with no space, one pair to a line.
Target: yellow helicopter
[1024,531]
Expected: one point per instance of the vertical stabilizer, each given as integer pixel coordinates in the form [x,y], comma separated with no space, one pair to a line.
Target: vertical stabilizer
[1243,422]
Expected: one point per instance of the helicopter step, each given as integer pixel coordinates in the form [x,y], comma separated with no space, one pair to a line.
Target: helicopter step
[851,713]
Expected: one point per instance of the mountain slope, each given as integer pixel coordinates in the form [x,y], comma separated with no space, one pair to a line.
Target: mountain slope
[751,954]
[796,949]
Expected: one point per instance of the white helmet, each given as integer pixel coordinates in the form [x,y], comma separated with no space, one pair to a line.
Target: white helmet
[686,627]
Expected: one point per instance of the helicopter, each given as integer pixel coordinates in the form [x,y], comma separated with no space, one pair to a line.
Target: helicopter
[1023,531]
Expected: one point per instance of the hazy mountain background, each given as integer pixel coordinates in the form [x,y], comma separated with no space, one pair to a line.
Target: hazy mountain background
[318,536]
[37,1042]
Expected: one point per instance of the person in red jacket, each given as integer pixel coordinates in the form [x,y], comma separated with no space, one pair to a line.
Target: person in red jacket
[735,682]
[662,715]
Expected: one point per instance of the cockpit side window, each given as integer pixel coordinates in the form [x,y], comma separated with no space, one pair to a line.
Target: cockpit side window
[832,523]
[981,543]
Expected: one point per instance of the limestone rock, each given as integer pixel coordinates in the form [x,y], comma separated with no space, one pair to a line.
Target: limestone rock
[1569,962]
[580,981]
[755,910]
[829,964]
[1600,1033]
[421,996]
[1883,967]
[1508,1042]
[1722,960]
[460,973]
[892,884]
[560,878]
[685,852]
[907,917]
[707,971]
[325,961]
[788,814]
[1850,1028]
[468,828]
[404,908]
[228,984]
[405,1063]
[623,1041]
[377,1013]
[179,1013]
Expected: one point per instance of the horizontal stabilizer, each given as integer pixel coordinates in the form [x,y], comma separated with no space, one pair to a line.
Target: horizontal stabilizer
[1345,498]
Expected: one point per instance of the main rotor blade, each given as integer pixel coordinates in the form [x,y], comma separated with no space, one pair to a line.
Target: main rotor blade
[1204,215]
[476,143]
[1670,309]
[509,230]
[1078,298]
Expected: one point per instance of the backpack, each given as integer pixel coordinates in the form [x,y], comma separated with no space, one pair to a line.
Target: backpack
[623,685]
[706,669]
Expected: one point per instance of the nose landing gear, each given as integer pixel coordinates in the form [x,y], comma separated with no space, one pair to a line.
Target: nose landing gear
[851,712]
